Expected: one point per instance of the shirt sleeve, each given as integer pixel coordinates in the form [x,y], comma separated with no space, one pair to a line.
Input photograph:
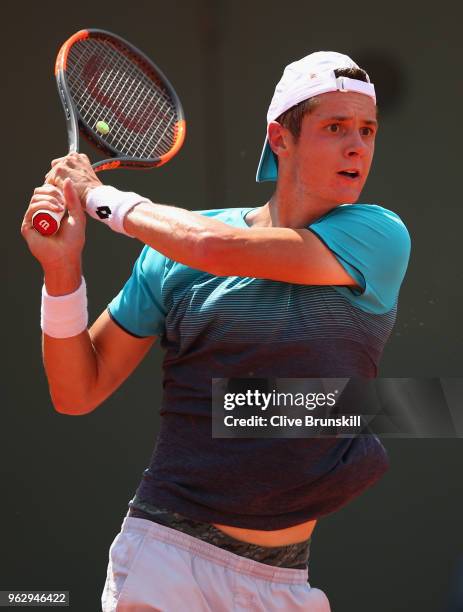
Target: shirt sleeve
[373,245]
[138,308]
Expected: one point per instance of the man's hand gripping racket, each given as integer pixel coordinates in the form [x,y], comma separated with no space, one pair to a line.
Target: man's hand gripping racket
[119,101]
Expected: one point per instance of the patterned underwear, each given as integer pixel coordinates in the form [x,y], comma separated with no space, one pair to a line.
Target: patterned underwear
[292,556]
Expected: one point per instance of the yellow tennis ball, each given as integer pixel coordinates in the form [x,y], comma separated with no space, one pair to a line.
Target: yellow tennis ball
[102,127]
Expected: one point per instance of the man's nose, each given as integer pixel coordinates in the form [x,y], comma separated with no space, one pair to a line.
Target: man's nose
[355,145]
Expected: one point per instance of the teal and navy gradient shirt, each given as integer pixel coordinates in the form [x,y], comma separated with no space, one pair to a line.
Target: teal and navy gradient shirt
[229,326]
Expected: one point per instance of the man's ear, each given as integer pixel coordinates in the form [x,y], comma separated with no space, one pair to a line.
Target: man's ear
[279,138]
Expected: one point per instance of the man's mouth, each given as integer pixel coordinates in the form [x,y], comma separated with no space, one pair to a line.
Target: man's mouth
[351,174]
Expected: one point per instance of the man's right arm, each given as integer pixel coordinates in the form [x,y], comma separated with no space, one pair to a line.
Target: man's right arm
[84,370]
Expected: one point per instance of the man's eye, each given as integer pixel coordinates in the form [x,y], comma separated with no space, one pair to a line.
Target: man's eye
[366,131]
[333,127]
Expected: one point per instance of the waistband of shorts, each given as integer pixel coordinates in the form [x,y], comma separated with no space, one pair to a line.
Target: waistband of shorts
[292,556]
[217,555]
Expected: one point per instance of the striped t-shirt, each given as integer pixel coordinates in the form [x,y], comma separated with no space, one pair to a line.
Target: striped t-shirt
[229,326]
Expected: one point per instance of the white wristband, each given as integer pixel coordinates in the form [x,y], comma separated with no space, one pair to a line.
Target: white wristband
[64,316]
[109,205]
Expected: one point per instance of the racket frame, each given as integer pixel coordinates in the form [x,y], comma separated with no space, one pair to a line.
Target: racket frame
[75,123]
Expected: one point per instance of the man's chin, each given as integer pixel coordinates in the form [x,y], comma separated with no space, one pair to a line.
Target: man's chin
[347,199]
[345,193]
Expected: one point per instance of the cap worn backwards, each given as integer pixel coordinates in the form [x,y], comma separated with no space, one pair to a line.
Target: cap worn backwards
[308,77]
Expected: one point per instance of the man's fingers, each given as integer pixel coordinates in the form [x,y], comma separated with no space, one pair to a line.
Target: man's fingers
[43,205]
[69,160]
[57,160]
[59,172]
[49,190]
[48,177]
[72,199]
[53,178]
[48,199]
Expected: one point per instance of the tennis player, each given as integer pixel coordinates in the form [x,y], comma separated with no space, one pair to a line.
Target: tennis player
[305,285]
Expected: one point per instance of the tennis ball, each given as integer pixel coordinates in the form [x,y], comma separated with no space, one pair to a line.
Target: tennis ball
[102,127]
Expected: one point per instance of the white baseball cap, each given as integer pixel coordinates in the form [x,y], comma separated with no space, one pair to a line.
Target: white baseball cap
[308,77]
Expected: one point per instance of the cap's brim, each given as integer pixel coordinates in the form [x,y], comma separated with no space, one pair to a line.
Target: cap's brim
[267,170]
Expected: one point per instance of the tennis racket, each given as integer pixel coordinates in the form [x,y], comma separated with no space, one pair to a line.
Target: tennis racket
[120,102]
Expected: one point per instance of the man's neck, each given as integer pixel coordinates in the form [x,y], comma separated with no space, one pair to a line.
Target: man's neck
[288,210]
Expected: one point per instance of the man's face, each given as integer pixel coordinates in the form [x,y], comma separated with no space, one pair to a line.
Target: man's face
[332,158]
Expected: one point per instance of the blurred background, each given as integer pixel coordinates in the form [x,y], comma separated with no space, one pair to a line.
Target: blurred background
[66,481]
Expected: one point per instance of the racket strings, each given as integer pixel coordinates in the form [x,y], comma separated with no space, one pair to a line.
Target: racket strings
[88,107]
[123,60]
[120,136]
[107,86]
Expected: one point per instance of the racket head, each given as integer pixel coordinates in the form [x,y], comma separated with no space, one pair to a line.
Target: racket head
[107,84]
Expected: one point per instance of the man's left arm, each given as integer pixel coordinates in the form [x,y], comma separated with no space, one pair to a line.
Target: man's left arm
[277,253]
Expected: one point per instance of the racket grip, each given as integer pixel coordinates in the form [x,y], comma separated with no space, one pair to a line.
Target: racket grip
[47,222]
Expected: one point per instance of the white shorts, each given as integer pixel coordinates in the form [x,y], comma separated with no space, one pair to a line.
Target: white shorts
[153,567]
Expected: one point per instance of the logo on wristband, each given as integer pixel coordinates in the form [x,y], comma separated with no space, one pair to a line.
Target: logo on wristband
[103,212]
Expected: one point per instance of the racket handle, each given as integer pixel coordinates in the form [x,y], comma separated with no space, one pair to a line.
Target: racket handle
[47,222]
